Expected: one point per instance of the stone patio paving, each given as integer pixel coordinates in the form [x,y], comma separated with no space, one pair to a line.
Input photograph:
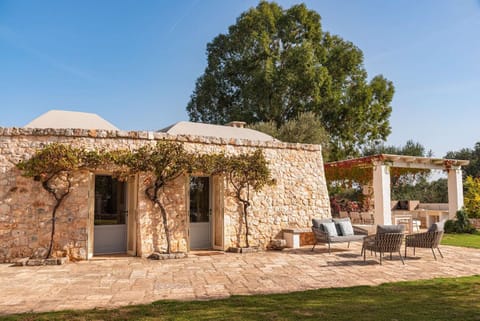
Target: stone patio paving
[115,281]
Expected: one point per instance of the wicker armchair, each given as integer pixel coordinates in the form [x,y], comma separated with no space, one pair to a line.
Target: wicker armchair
[430,239]
[425,240]
[388,239]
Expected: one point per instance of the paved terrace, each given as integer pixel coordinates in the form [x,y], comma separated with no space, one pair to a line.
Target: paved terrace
[116,281]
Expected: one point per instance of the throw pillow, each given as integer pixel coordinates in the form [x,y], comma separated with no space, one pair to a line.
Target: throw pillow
[382,229]
[346,228]
[330,228]
[317,222]
[338,220]
[437,226]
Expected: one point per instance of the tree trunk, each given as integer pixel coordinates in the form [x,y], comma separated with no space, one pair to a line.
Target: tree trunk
[245,214]
[52,235]
[152,194]
[58,200]
[165,226]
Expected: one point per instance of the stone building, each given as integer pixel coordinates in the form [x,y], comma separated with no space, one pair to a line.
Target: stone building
[102,215]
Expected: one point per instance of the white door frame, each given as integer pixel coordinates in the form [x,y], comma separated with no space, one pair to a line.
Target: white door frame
[210,218]
[131,219]
[216,204]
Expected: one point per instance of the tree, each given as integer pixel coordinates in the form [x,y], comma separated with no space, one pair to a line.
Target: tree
[473,155]
[247,173]
[164,162]
[274,64]
[411,148]
[423,190]
[404,181]
[268,127]
[53,166]
[305,128]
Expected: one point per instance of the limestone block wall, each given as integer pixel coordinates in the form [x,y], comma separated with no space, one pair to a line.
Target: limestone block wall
[300,193]
[150,229]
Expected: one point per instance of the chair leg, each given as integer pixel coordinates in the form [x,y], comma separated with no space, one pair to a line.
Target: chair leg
[401,258]
[348,245]
[414,251]
[440,252]
[434,256]
[364,255]
[313,248]
[381,254]
[328,247]
[391,257]
[405,251]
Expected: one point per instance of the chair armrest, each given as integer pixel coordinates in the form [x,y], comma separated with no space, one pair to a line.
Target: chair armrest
[369,242]
[370,238]
[417,236]
[424,239]
[320,235]
[359,231]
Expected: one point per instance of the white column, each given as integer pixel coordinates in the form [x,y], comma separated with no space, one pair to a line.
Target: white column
[381,192]
[455,191]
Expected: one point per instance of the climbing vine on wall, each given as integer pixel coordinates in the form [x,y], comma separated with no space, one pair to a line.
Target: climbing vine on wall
[247,173]
[54,164]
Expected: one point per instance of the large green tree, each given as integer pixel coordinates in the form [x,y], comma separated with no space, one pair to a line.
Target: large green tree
[274,64]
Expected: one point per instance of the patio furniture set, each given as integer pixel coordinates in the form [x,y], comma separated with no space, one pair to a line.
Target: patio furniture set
[388,238]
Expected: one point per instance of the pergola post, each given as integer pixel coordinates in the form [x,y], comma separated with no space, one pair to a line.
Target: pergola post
[381,192]
[455,191]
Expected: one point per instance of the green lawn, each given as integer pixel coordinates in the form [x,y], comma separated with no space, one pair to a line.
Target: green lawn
[465,240]
[437,299]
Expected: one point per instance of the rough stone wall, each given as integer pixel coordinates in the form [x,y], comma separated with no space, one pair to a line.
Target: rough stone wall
[25,208]
[150,229]
[298,195]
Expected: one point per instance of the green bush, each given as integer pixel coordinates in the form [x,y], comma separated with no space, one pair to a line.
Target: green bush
[460,225]
[472,196]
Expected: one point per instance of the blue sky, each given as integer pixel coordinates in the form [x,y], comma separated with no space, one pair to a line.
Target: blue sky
[135,63]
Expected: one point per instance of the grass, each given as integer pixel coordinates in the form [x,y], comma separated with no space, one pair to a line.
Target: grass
[437,299]
[465,240]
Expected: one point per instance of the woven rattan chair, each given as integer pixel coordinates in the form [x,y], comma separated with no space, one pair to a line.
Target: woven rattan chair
[425,240]
[384,242]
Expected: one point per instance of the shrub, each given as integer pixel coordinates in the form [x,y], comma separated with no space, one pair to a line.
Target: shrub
[472,196]
[460,225]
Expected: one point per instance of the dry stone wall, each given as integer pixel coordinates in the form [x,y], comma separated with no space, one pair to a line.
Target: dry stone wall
[299,194]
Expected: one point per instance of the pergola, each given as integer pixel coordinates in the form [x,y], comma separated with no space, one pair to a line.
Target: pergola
[380,166]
